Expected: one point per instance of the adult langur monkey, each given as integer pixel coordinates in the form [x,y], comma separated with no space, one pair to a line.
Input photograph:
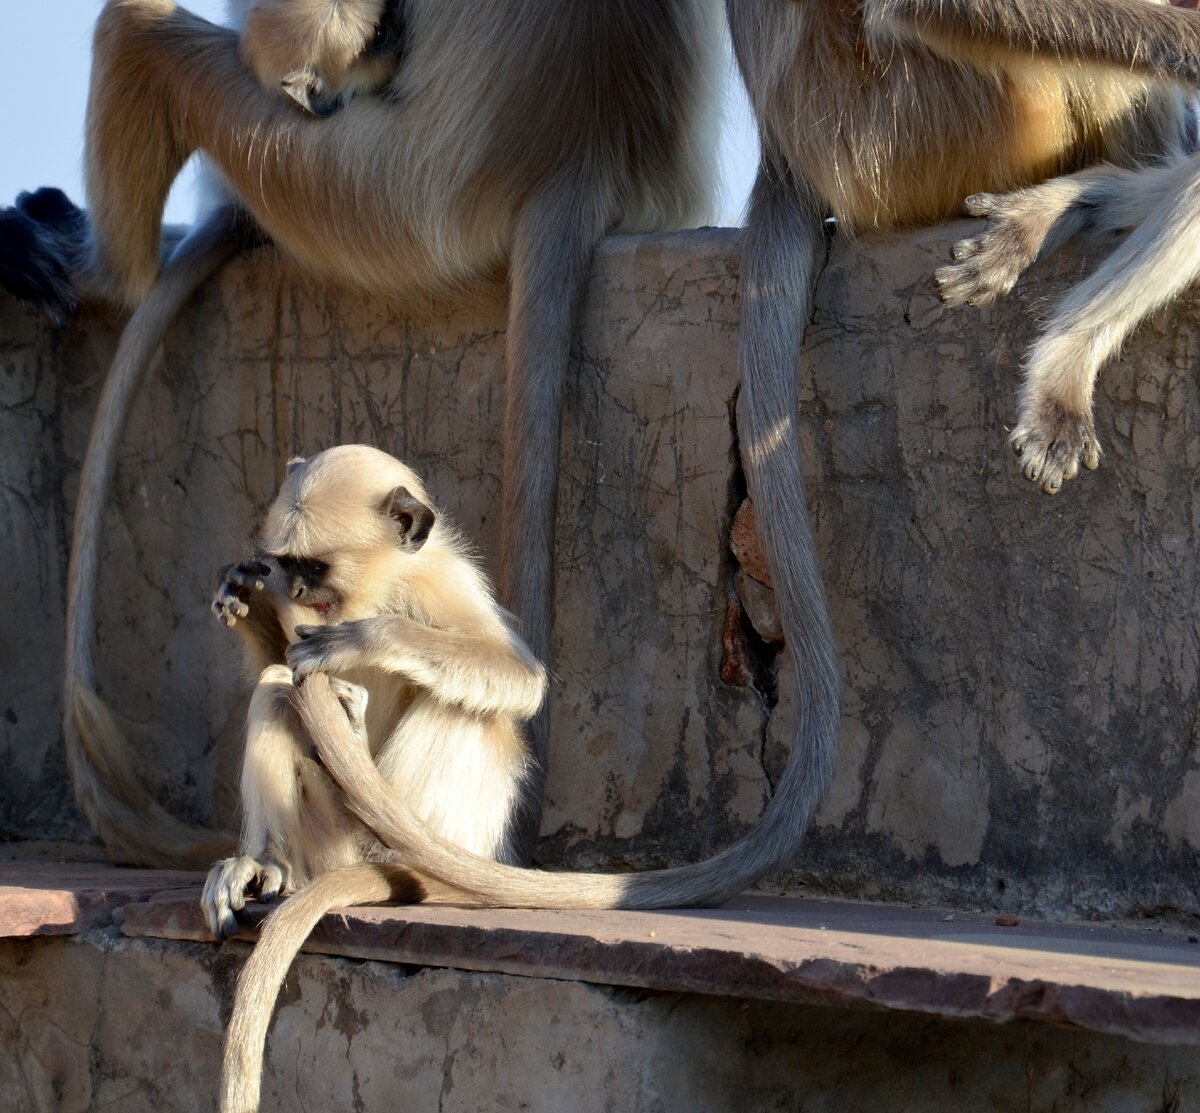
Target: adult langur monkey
[515,133]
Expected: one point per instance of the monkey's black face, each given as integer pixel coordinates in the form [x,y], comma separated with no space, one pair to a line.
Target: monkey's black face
[308,583]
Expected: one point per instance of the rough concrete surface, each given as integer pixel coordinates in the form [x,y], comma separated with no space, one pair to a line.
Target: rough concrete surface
[65,899]
[101,1022]
[1020,726]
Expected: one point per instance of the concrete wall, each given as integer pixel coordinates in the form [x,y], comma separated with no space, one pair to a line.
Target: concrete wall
[101,1022]
[1022,672]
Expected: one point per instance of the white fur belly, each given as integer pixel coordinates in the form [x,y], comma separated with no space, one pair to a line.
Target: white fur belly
[461,775]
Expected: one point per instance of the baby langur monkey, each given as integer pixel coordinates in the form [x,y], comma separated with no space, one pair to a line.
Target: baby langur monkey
[439,688]
[321,53]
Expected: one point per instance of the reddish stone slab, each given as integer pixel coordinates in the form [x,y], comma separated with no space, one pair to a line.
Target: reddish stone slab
[1141,985]
[40,898]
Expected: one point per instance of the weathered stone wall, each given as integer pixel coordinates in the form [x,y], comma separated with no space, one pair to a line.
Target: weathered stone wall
[1021,672]
[101,1022]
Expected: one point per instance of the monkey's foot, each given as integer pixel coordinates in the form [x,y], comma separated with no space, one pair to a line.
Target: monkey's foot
[231,881]
[353,698]
[986,267]
[1052,442]
[33,267]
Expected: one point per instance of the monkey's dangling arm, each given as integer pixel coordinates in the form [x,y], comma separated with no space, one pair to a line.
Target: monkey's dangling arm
[486,675]
[1158,40]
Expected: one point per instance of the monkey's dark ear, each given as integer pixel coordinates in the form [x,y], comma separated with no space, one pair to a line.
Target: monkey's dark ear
[294,463]
[413,518]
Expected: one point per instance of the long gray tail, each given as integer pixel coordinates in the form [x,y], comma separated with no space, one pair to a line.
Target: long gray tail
[552,251]
[130,822]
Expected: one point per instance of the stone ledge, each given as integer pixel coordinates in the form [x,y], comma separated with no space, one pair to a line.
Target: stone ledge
[1141,985]
[65,899]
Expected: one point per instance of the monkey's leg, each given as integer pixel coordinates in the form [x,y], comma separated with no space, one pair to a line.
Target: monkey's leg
[294,823]
[1153,39]
[1055,430]
[132,140]
[1030,224]
[271,802]
[555,236]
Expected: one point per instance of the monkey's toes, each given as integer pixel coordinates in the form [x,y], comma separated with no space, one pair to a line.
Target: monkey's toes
[981,204]
[353,698]
[963,283]
[1052,442]
[225,892]
[985,269]
[271,882]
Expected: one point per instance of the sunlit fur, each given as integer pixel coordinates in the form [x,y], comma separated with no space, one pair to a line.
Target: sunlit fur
[443,713]
[432,677]
[512,137]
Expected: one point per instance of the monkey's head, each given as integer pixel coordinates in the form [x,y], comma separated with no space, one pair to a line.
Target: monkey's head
[351,531]
[320,54]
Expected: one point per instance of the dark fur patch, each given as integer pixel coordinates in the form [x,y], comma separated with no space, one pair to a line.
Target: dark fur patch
[33,266]
[414,520]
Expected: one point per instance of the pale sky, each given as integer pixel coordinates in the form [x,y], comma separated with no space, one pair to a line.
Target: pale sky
[44,54]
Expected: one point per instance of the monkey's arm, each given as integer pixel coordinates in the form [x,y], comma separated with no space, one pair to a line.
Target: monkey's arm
[1154,39]
[485,674]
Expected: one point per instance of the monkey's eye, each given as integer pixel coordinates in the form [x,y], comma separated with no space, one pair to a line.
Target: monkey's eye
[302,567]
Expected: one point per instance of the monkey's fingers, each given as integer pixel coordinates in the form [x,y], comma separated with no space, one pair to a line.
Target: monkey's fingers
[247,576]
[229,608]
[320,649]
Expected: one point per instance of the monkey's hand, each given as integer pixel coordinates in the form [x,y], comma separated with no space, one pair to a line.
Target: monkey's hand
[986,267]
[324,649]
[237,586]
[229,883]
